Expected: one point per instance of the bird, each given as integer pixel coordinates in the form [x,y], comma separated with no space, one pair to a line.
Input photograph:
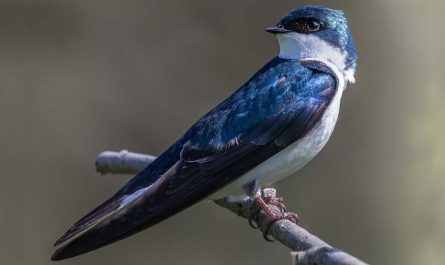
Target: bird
[268,129]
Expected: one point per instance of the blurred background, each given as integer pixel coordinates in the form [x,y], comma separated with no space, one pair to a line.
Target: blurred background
[80,77]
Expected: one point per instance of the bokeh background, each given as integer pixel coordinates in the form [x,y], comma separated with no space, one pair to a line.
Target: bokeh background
[80,77]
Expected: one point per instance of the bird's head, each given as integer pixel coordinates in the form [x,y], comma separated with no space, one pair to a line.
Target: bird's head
[317,32]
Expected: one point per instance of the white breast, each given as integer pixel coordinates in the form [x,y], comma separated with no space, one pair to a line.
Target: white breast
[296,155]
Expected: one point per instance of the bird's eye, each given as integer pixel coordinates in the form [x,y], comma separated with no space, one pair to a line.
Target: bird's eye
[305,25]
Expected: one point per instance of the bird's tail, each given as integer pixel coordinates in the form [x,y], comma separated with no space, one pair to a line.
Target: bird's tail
[122,216]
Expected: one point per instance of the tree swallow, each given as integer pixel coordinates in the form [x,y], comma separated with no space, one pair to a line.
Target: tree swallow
[269,128]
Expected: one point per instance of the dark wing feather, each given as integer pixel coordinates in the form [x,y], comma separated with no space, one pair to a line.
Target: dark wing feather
[272,110]
[145,178]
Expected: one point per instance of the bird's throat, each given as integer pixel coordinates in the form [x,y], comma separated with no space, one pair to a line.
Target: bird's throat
[300,46]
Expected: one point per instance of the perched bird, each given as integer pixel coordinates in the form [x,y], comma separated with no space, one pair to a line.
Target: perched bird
[269,128]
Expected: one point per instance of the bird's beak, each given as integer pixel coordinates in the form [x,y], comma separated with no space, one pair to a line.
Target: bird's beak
[277,29]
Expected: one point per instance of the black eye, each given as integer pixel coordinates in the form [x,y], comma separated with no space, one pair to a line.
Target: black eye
[304,25]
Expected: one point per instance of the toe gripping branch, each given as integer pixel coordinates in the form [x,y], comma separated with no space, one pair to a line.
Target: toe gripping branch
[273,208]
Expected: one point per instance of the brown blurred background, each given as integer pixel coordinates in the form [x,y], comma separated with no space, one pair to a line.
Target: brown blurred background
[80,77]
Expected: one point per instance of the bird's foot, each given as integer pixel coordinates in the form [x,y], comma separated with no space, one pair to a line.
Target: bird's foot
[278,202]
[272,206]
[272,214]
[256,209]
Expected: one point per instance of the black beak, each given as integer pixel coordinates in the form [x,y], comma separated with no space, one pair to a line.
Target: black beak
[277,29]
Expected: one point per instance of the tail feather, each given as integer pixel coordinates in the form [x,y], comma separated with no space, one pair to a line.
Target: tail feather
[92,218]
[134,215]
[90,229]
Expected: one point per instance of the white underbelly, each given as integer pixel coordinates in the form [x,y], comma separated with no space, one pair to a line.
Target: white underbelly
[290,159]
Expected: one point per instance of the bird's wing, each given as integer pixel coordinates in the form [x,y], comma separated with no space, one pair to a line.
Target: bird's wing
[142,180]
[278,106]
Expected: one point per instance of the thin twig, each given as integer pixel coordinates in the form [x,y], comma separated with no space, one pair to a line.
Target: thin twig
[308,249]
[122,162]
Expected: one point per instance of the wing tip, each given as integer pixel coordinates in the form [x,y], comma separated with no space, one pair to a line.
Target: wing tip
[60,254]
[60,240]
[66,252]
[76,246]
[56,256]
[68,235]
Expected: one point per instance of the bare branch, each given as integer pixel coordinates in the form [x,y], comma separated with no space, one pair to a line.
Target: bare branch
[308,249]
[122,162]
[325,256]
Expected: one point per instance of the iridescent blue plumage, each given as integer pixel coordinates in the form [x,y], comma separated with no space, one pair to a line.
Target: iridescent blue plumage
[275,108]
[281,89]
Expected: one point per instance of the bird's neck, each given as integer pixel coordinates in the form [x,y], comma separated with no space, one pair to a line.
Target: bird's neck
[301,46]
